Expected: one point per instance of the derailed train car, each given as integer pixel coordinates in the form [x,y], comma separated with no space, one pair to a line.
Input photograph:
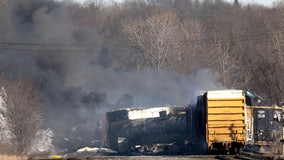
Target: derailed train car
[220,121]
[153,130]
[265,127]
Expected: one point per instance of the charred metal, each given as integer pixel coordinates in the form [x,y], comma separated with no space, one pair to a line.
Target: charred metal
[220,122]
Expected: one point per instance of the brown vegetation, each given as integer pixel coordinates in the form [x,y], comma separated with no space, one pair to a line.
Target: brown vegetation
[244,44]
[22,114]
[12,157]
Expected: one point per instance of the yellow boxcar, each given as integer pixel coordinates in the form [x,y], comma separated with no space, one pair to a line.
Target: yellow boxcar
[226,115]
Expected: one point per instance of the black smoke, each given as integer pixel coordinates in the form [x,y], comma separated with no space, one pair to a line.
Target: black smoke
[78,84]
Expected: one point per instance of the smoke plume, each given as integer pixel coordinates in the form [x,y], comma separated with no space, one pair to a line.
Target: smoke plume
[80,83]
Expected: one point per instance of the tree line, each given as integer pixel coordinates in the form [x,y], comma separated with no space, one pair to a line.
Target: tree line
[243,43]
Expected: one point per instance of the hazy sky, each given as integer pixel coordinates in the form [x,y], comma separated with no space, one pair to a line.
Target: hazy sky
[263,2]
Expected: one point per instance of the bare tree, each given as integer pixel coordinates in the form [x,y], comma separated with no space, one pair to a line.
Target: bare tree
[21,112]
[244,44]
[153,36]
[190,44]
[274,57]
[161,39]
[3,2]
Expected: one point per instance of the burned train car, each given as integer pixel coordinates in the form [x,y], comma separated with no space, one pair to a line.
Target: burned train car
[154,130]
[220,122]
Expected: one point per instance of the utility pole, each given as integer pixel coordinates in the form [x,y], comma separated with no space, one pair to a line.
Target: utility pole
[282,140]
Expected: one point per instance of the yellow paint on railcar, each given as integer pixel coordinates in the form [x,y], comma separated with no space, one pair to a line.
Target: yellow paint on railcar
[55,157]
[226,110]
[226,103]
[225,117]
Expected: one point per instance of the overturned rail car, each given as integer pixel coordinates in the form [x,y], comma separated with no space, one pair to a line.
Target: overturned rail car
[220,122]
[154,130]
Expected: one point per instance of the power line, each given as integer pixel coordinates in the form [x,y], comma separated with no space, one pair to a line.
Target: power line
[130,44]
[95,47]
[63,44]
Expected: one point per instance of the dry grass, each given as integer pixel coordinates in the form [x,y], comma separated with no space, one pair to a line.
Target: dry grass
[12,157]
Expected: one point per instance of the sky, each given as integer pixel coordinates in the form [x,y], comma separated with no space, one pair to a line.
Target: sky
[262,2]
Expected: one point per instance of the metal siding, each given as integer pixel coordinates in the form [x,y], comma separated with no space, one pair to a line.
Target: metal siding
[226,119]
[226,137]
[226,123]
[227,110]
[265,130]
[265,127]
[226,103]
